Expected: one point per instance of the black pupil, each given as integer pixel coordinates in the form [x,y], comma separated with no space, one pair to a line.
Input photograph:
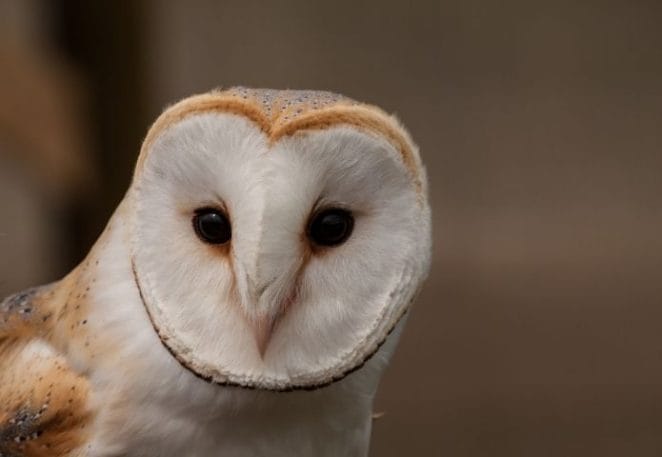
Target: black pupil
[331,227]
[212,226]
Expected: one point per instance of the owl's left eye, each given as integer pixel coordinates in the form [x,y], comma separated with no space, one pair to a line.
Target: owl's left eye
[331,227]
[212,226]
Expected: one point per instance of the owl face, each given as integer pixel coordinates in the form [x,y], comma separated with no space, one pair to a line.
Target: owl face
[277,239]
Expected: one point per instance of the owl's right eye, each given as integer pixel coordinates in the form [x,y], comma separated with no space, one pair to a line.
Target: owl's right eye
[212,226]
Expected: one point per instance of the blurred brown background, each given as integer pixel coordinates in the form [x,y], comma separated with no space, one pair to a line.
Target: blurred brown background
[538,333]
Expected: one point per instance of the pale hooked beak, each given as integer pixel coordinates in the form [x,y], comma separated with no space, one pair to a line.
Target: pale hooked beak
[263,329]
[271,307]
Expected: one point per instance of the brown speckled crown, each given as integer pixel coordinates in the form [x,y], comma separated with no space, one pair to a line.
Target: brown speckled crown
[283,106]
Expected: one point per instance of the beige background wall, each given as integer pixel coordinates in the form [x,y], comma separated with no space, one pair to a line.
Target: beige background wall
[539,331]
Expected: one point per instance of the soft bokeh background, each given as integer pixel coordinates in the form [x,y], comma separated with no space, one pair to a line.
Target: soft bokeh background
[539,331]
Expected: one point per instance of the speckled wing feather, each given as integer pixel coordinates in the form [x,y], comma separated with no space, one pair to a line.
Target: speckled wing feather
[43,408]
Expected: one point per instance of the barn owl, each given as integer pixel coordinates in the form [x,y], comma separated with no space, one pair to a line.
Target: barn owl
[243,299]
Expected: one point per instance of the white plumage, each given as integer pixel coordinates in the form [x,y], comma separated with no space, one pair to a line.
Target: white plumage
[266,341]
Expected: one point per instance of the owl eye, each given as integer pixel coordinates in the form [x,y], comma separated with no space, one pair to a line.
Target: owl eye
[212,226]
[331,227]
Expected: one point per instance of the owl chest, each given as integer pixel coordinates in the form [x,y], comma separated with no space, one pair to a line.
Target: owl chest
[206,421]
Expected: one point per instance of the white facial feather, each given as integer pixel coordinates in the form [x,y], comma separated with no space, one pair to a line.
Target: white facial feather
[347,298]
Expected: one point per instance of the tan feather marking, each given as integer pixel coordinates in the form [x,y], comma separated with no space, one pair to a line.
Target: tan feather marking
[27,313]
[43,403]
[284,113]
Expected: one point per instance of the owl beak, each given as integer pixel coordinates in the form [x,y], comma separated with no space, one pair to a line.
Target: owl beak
[264,324]
[266,296]
[264,328]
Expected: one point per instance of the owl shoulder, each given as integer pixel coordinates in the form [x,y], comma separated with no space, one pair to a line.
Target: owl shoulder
[44,403]
[26,313]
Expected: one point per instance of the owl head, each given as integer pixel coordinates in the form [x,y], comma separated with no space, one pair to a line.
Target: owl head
[277,237]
